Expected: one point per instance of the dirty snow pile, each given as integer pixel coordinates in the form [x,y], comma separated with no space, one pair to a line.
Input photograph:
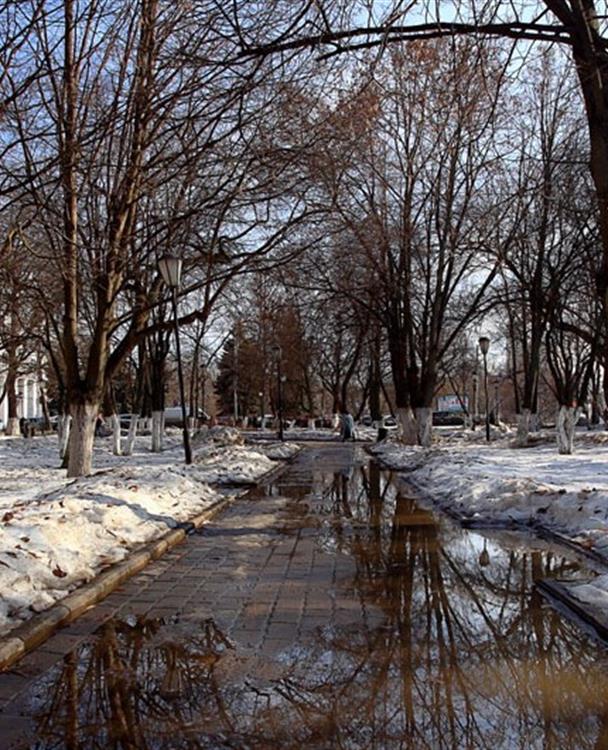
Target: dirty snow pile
[277,451]
[498,484]
[57,533]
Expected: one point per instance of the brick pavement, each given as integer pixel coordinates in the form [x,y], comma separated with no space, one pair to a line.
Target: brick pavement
[257,575]
[323,611]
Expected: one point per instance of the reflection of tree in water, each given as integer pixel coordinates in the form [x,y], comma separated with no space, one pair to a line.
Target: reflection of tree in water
[461,653]
[482,661]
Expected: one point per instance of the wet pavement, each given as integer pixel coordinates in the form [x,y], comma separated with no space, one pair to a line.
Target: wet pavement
[324,611]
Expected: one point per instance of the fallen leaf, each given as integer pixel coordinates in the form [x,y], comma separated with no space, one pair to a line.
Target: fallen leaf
[59,573]
[7,517]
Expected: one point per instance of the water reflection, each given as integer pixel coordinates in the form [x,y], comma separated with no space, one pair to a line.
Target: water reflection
[448,645]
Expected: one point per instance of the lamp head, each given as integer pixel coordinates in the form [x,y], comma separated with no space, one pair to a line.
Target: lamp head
[170,268]
[484,344]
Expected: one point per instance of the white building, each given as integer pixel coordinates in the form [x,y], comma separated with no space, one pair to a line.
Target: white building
[28,400]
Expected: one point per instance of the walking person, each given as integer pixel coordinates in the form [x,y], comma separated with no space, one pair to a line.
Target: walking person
[348,426]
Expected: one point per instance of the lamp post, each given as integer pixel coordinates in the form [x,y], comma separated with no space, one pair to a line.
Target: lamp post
[475,398]
[277,353]
[170,268]
[235,379]
[484,345]
[261,397]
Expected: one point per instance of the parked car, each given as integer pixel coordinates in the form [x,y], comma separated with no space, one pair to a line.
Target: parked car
[173,416]
[447,419]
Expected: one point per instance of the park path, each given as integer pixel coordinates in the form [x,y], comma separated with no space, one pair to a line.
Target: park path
[326,609]
[254,579]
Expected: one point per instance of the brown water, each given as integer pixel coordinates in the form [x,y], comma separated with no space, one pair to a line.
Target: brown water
[428,637]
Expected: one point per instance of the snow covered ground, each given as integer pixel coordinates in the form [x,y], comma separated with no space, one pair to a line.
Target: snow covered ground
[498,484]
[318,434]
[57,533]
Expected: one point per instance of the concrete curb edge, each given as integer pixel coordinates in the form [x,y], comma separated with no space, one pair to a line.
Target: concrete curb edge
[41,626]
[557,591]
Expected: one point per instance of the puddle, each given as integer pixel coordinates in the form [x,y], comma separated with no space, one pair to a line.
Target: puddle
[412,633]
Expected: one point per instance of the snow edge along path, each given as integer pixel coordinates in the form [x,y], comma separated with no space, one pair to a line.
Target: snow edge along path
[475,489]
[30,634]
[482,489]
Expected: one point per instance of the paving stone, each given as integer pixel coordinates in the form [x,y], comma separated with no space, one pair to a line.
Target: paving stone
[12,683]
[262,588]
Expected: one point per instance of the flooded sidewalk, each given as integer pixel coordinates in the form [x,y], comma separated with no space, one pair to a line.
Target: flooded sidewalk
[326,610]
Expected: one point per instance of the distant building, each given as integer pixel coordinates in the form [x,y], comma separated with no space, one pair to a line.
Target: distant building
[28,400]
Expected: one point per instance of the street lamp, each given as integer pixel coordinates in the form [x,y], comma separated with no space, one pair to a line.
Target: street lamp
[475,398]
[235,378]
[170,268]
[277,353]
[484,345]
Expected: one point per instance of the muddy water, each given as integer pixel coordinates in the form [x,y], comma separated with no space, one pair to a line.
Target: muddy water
[431,637]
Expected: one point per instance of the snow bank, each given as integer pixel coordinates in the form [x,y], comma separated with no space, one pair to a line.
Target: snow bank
[56,534]
[497,484]
[277,451]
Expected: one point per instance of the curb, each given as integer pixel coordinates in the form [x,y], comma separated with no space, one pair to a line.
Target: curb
[589,614]
[40,627]
[586,613]
[482,524]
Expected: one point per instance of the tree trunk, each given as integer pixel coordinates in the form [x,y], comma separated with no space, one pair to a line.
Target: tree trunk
[12,425]
[84,416]
[375,389]
[407,432]
[523,428]
[132,435]
[157,431]
[64,423]
[567,417]
[424,425]
[534,422]
[116,438]
[45,409]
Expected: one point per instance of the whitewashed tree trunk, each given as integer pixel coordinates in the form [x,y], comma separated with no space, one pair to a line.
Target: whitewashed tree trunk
[424,426]
[130,444]
[12,426]
[311,423]
[63,433]
[82,434]
[116,440]
[567,417]
[157,431]
[523,428]
[406,422]
[335,423]
[601,405]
